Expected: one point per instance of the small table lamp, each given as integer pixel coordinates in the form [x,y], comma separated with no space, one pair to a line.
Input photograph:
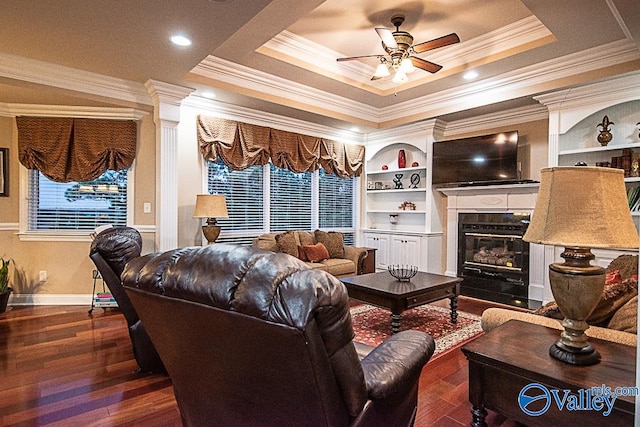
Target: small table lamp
[210,206]
[580,208]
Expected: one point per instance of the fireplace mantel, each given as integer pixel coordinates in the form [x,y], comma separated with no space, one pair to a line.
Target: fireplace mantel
[496,198]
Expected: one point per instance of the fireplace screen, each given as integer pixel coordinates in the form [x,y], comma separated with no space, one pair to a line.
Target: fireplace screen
[501,251]
[492,257]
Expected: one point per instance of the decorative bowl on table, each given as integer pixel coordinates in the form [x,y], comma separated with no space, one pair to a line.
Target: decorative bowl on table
[403,273]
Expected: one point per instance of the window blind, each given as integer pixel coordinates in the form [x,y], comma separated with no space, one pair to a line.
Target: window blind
[243,190]
[77,206]
[335,201]
[290,200]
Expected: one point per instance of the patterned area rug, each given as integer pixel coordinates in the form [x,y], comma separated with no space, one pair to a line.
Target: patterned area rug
[372,325]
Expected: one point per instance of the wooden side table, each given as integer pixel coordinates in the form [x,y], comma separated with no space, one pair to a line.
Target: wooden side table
[510,366]
[369,262]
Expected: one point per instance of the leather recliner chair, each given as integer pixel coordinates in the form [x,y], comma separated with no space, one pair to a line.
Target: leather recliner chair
[110,251]
[250,337]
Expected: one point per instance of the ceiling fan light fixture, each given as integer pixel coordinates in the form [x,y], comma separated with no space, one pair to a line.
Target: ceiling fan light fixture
[406,66]
[400,77]
[381,71]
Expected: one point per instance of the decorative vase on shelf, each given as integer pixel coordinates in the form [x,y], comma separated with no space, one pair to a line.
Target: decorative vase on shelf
[605,135]
[402,160]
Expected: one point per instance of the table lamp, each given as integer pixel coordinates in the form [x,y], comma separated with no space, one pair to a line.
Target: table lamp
[580,208]
[210,206]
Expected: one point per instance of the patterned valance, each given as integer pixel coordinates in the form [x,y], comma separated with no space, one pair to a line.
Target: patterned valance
[241,145]
[70,149]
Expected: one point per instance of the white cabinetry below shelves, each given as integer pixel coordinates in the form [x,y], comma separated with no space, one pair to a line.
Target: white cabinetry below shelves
[381,243]
[421,249]
[405,250]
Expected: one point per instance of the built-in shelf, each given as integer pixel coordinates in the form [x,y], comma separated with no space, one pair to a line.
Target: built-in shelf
[400,190]
[410,169]
[397,211]
[595,149]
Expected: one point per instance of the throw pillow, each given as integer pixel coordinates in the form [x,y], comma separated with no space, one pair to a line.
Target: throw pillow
[614,296]
[302,254]
[306,238]
[316,253]
[287,243]
[333,241]
[626,318]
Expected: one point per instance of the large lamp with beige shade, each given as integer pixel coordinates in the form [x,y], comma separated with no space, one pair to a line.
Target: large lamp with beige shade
[210,206]
[580,208]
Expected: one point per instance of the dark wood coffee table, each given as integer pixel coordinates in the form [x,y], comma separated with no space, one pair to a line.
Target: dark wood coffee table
[515,355]
[383,290]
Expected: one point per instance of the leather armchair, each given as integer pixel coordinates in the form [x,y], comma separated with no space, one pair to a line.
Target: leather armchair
[252,337]
[110,251]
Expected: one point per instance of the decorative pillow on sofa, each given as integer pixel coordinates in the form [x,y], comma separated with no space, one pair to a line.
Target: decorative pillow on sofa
[302,254]
[615,295]
[626,318]
[287,243]
[316,253]
[333,241]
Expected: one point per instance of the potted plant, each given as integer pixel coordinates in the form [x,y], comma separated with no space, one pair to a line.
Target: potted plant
[5,290]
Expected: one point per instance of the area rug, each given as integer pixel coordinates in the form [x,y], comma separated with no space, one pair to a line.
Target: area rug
[372,325]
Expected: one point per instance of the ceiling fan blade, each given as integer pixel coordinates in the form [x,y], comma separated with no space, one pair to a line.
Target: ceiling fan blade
[436,43]
[387,38]
[425,65]
[351,58]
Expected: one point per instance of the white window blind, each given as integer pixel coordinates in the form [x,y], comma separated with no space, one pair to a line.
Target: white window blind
[335,201]
[76,206]
[290,200]
[243,191]
[336,204]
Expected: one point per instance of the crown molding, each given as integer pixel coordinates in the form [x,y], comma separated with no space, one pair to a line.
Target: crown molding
[58,76]
[13,110]
[521,81]
[524,81]
[511,117]
[309,55]
[256,82]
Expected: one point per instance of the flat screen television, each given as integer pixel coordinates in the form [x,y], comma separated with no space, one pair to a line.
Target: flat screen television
[480,160]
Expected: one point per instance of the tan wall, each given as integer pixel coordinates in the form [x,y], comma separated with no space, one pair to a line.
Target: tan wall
[68,267]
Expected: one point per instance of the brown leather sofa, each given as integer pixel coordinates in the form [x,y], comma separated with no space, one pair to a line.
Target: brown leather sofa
[251,337]
[110,251]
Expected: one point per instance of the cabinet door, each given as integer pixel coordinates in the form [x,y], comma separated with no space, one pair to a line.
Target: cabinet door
[381,243]
[405,250]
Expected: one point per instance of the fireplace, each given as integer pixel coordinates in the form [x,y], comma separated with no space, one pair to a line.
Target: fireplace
[493,259]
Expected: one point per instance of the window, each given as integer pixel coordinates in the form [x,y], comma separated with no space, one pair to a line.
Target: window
[290,200]
[244,193]
[335,203]
[263,199]
[77,206]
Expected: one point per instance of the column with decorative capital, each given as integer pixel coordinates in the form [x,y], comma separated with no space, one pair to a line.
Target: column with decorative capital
[167,99]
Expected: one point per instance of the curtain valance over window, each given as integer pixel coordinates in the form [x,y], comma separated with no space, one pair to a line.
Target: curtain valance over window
[70,149]
[241,145]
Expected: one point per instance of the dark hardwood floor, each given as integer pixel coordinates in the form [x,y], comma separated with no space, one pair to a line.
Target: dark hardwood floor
[61,367]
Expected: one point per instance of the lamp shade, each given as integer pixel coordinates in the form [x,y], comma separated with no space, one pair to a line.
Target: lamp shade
[210,206]
[582,206]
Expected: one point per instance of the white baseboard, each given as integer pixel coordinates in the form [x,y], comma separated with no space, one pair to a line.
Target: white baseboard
[50,299]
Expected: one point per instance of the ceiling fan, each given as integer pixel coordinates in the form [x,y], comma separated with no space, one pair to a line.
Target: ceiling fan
[400,50]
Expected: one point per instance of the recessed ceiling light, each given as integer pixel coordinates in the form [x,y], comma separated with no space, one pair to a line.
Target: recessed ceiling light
[355,129]
[180,40]
[209,95]
[470,75]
